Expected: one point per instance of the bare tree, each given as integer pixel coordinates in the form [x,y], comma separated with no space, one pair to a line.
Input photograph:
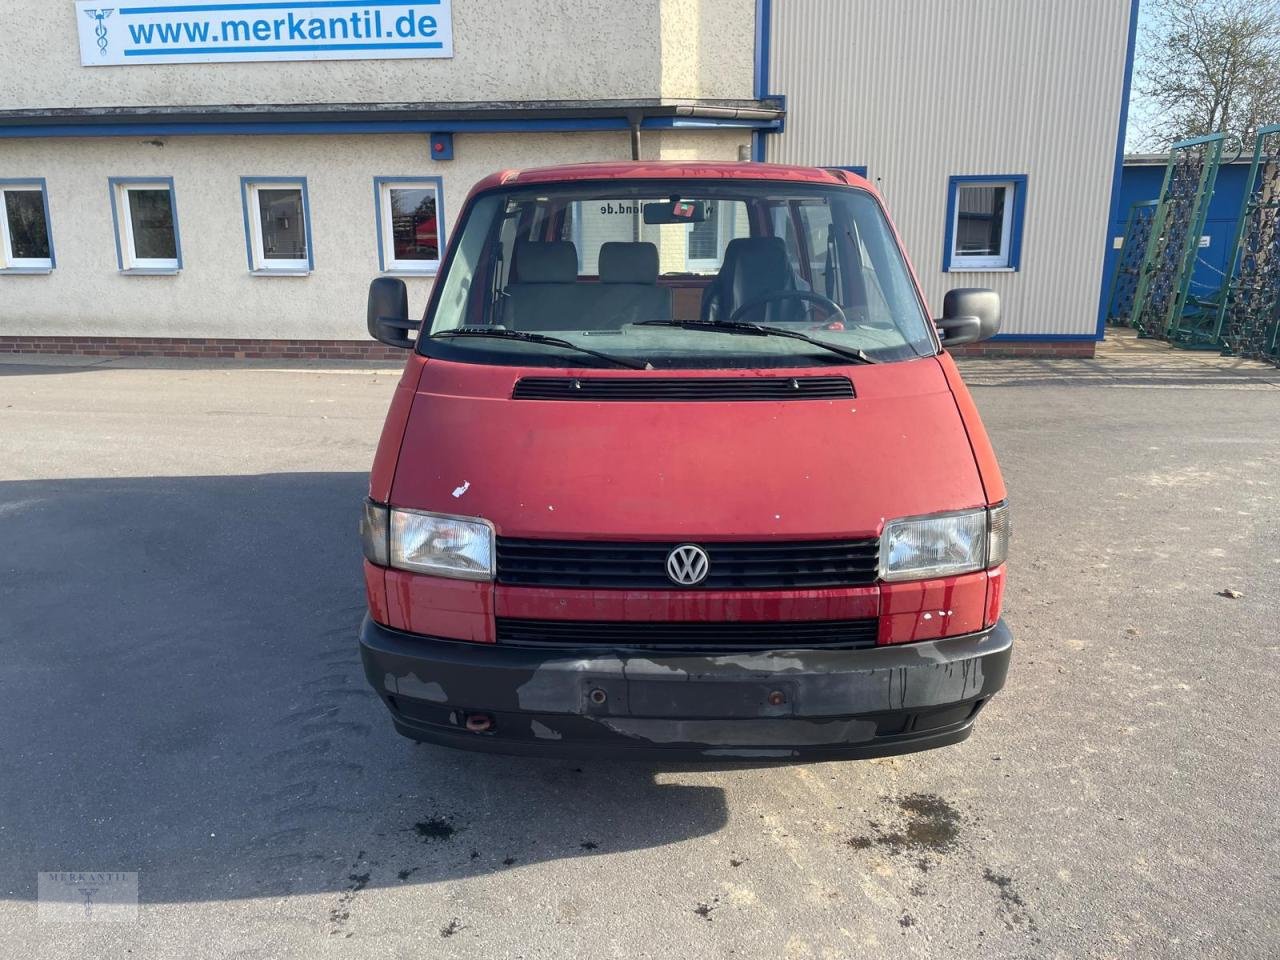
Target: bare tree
[1207,66]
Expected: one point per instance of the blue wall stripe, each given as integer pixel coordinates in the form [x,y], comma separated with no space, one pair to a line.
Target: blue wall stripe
[1046,337]
[282,48]
[1118,173]
[763,27]
[275,5]
[764,10]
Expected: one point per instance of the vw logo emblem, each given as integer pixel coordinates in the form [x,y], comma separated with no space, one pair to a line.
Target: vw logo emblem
[688,565]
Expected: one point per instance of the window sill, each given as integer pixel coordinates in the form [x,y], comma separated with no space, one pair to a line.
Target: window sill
[410,272]
[25,271]
[151,272]
[278,272]
[963,269]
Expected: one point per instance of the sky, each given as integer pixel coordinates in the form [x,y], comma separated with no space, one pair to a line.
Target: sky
[1139,111]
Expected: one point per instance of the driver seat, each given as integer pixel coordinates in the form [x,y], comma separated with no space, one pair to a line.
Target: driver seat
[754,267]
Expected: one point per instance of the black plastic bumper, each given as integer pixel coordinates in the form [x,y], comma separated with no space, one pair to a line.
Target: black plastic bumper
[778,705]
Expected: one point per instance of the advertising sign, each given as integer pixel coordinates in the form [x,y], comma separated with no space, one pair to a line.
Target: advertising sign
[163,31]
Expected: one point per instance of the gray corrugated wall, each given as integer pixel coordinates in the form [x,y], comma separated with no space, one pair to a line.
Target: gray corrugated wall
[919,90]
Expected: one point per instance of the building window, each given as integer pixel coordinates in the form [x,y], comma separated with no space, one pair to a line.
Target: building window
[702,245]
[277,216]
[146,221]
[26,243]
[410,229]
[705,242]
[984,223]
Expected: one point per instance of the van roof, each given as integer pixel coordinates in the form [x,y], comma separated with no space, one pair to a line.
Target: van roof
[669,170]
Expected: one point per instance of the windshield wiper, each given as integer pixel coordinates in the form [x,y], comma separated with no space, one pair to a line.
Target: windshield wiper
[758,330]
[526,337]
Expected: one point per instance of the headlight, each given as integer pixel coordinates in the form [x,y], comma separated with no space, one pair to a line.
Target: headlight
[921,548]
[439,544]
[434,543]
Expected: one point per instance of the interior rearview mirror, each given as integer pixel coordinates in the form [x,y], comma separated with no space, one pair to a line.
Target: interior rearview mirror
[969,315]
[675,211]
[389,321]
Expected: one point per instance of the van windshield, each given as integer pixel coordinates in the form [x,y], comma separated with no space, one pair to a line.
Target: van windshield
[664,273]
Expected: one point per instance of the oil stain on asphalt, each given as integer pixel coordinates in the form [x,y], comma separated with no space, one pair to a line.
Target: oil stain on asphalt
[932,828]
[927,829]
[1013,908]
[704,910]
[434,829]
[452,927]
[341,912]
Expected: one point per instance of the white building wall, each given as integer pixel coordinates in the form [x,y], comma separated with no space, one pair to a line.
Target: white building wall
[503,50]
[708,48]
[920,90]
[215,295]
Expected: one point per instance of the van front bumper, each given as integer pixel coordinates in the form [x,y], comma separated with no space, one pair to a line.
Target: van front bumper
[776,705]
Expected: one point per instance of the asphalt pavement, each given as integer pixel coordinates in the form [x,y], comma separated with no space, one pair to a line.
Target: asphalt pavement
[181,697]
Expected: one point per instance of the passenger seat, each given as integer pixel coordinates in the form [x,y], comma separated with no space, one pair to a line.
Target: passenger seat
[629,290]
[544,293]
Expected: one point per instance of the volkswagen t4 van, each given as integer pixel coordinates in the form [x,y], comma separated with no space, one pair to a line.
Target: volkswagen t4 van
[679,466]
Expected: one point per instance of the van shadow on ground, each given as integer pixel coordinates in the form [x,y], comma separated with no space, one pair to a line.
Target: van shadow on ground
[181,695]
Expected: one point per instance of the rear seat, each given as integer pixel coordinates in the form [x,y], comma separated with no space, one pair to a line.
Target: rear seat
[545,294]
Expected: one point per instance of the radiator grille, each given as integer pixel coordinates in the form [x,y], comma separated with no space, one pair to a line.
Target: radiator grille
[643,566]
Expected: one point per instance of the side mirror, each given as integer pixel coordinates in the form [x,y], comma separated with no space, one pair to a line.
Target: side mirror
[389,321]
[969,315]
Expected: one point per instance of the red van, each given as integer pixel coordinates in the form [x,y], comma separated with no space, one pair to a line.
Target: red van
[679,467]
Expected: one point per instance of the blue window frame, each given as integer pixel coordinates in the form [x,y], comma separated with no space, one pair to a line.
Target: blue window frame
[26,237]
[277,226]
[409,214]
[859,169]
[144,214]
[984,223]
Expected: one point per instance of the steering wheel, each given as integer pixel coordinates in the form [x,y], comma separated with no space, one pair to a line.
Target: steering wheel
[807,295]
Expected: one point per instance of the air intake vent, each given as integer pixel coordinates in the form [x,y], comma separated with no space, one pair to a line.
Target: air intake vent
[639,389]
[774,635]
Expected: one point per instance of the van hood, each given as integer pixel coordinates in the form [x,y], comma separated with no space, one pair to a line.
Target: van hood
[670,470]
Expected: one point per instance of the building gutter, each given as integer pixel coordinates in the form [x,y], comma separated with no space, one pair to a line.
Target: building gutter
[339,118]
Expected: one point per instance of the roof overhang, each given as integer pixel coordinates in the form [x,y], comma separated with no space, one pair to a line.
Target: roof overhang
[1161,159]
[338,118]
